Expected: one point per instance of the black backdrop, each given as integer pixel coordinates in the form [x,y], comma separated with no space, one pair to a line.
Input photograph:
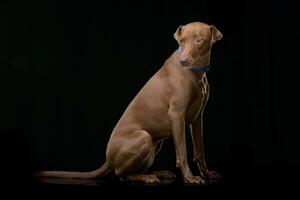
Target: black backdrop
[70,69]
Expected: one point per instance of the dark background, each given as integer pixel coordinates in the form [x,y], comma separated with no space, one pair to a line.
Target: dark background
[69,69]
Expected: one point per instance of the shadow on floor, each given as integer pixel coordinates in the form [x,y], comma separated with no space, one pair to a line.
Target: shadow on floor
[238,176]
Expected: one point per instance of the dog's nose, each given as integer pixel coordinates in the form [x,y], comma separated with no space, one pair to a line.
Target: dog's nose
[184,61]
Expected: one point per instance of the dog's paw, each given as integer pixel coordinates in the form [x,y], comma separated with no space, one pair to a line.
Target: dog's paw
[212,175]
[143,178]
[194,180]
[164,174]
[150,179]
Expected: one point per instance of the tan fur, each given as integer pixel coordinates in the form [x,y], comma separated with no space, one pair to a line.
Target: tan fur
[173,98]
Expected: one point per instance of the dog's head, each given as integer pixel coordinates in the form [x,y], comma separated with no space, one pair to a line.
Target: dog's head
[195,41]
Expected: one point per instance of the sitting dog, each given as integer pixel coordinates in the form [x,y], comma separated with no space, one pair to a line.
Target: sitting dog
[173,98]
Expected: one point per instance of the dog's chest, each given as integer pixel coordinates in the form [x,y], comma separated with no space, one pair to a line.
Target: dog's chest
[197,104]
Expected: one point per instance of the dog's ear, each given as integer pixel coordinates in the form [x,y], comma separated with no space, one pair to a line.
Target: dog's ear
[177,34]
[215,34]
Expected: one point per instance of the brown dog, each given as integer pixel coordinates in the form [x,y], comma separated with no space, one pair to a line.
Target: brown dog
[174,97]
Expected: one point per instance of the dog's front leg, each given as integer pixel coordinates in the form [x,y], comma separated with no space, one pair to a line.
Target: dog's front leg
[178,133]
[196,129]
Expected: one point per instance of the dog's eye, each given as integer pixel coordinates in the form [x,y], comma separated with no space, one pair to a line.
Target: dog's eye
[198,41]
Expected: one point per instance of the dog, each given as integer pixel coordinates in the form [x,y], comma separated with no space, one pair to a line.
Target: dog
[174,97]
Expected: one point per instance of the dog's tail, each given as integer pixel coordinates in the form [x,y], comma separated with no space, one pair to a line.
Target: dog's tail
[103,170]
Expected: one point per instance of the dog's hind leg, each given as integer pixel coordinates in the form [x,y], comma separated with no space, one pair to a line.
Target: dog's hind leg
[133,157]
